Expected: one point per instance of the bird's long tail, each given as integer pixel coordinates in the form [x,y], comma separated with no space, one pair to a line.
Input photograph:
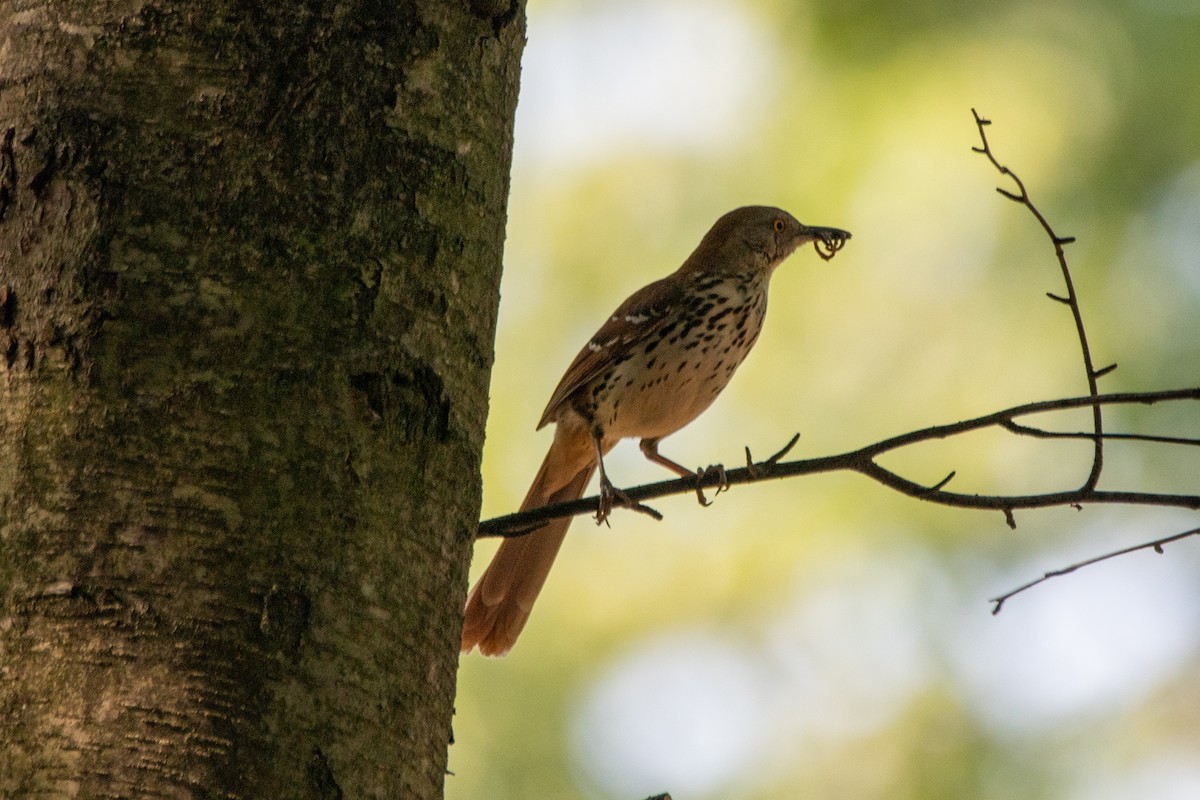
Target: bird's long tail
[499,605]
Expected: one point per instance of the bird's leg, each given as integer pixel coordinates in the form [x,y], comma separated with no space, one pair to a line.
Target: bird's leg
[650,450]
[610,495]
[608,492]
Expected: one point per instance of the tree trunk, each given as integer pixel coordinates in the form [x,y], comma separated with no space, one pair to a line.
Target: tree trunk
[249,266]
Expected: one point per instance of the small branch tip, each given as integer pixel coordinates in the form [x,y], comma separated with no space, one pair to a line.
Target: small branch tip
[1156,546]
[787,448]
[942,482]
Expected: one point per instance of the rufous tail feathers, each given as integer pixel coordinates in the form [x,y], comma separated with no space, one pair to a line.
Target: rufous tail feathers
[499,605]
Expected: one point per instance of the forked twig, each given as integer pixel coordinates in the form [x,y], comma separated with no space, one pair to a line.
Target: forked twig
[1071,300]
[864,462]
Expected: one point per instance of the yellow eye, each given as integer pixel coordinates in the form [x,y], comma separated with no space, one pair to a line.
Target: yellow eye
[778,226]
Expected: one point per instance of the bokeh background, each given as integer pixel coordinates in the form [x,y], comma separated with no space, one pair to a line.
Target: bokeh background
[823,637]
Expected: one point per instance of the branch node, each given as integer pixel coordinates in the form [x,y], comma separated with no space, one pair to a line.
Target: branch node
[647,510]
[1061,240]
[763,468]
[1016,198]
[1065,301]
[1009,519]
[1100,373]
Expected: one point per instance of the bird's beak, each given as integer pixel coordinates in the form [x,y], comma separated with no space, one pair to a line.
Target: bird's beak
[827,241]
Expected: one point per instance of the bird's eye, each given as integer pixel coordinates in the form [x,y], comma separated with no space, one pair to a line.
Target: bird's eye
[778,226]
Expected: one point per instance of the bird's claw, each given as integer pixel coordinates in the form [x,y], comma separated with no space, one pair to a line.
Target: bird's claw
[722,485]
[609,496]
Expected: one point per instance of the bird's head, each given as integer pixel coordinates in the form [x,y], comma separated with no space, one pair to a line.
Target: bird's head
[762,237]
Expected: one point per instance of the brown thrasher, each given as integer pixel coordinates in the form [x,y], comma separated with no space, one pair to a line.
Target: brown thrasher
[653,367]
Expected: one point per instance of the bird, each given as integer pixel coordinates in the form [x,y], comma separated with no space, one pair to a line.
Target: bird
[656,364]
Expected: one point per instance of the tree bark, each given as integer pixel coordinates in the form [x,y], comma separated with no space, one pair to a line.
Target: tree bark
[249,267]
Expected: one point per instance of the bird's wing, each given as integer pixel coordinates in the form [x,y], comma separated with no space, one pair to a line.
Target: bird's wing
[643,313]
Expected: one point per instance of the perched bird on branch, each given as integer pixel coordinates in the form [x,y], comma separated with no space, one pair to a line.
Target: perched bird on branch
[653,367]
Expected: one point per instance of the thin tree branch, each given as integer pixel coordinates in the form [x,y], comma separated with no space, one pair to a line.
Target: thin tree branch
[863,462]
[1040,433]
[1156,545]
[1071,300]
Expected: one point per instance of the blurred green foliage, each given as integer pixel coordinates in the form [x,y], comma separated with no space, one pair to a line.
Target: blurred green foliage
[863,617]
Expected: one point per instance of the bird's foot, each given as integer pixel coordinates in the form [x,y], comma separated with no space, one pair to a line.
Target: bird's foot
[704,472]
[611,496]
